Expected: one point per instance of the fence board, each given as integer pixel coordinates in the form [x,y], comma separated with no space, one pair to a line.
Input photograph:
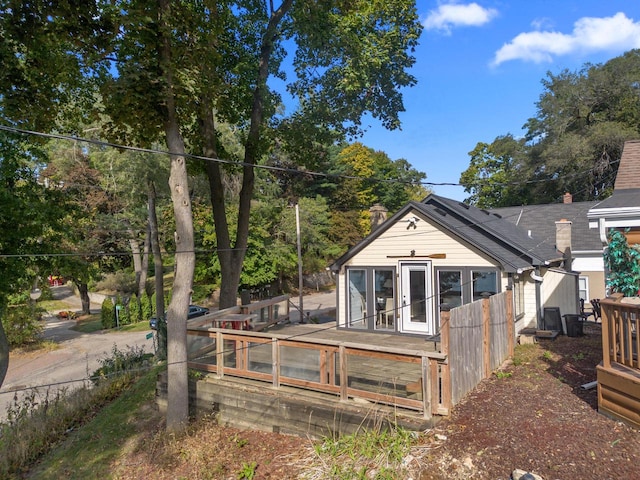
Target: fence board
[467,343]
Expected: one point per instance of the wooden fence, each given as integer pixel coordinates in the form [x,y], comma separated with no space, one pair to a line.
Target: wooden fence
[477,338]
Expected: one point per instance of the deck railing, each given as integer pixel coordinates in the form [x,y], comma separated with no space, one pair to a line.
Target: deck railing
[620,340]
[387,375]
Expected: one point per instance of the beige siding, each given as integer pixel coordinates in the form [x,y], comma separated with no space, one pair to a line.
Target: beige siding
[530,318]
[560,289]
[397,243]
[426,239]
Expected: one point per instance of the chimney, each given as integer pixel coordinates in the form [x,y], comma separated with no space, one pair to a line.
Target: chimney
[567,198]
[563,241]
[378,215]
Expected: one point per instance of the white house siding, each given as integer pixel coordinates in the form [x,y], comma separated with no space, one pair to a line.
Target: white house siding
[559,289]
[425,239]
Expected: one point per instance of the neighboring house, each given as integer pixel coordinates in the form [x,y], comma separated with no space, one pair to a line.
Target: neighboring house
[443,251]
[622,209]
[566,226]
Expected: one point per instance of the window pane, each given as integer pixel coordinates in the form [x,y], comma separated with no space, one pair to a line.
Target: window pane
[450,288]
[418,289]
[385,309]
[484,282]
[357,298]
[582,288]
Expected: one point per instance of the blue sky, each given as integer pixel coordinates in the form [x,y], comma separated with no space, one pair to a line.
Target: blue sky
[479,69]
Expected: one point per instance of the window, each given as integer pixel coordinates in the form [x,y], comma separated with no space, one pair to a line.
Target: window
[371,298]
[385,307]
[357,281]
[450,287]
[583,288]
[518,297]
[484,282]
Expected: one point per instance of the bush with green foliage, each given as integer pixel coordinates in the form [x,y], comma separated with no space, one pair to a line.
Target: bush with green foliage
[120,362]
[135,311]
[107,314]
[146,310]
[121,282]
[623,265]
[22,324]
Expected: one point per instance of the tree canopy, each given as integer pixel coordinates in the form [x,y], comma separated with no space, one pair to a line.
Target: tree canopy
[573,144]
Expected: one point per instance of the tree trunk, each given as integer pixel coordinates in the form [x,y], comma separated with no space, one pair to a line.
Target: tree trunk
[232,258]
[158,268]
[83,290]
[177,388]
[4,350]
[137,257]
[144,267]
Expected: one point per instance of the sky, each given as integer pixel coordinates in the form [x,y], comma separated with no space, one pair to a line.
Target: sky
[479,69]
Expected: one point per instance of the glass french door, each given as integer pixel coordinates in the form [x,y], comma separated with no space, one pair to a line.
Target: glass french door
[416,298]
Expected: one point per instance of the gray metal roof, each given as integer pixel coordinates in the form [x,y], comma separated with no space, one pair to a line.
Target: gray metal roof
[540,220]
[500,239]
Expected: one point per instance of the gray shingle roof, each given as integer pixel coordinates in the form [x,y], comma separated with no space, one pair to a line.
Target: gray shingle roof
[498,238]
[540,220]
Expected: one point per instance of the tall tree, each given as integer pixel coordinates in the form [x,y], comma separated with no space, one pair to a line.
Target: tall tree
[30,221]
[492,173]
[573,144]
[170,69]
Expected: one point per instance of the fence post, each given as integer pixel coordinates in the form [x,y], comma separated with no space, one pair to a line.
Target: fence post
[511,330]
[445,370]
[486,335]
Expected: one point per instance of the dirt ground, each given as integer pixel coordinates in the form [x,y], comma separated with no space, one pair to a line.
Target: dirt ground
[532,415]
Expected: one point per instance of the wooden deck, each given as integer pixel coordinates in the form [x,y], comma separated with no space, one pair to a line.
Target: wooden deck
[297,377]
[619,373]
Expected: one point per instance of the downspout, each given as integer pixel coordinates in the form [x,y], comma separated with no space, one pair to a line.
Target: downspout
[538,279]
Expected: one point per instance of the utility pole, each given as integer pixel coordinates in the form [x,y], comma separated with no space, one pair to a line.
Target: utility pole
[299,263]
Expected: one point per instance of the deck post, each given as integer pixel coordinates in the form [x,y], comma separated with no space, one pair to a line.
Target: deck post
[219,355]
[426,388]
[275,365]
[344,382]
[445,371]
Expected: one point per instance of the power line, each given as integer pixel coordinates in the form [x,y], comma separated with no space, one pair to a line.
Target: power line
[293,171]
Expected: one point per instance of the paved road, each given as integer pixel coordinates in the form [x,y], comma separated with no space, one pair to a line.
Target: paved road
[77,357]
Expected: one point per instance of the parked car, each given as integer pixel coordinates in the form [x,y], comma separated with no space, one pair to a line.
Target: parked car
[194,311]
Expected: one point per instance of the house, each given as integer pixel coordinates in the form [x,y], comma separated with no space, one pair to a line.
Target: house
[566,226]
[442,251]
[622,209]
[619,372]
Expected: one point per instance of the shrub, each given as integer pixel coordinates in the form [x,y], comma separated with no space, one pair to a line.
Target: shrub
[146,310]
[121,362]
[122,282]
[135,312]
[21,324]
[107,315]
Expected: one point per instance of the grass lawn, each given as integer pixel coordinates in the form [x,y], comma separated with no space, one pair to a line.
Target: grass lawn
[91,450]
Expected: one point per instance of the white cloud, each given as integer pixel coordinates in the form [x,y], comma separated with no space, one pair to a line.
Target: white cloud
[454,15]
[589,35]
